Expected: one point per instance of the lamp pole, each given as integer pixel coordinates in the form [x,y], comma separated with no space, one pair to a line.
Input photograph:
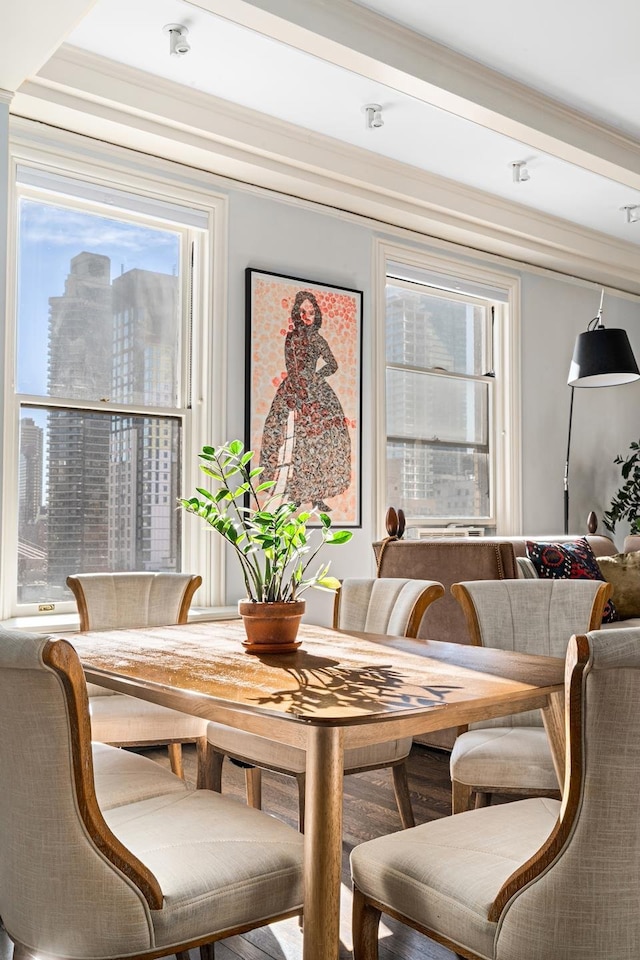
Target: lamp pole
[566,467]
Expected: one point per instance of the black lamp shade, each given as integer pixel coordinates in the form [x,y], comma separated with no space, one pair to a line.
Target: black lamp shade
[602,358]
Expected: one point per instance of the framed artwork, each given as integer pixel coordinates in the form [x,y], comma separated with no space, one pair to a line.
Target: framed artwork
[304,400]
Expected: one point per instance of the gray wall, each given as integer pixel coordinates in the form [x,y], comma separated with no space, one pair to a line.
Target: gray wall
[273,234]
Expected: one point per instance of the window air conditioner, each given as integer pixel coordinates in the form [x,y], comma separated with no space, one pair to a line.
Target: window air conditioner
[428,533]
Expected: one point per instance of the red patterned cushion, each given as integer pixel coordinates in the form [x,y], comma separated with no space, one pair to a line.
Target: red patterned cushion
[574,560]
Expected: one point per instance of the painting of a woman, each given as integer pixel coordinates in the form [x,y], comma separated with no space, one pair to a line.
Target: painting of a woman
[315,465]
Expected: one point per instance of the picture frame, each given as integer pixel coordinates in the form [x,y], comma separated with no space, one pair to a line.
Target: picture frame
[303,412]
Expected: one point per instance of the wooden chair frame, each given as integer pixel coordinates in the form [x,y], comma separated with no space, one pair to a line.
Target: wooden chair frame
[60,657]
[174,747]
[367,911]
[462,794]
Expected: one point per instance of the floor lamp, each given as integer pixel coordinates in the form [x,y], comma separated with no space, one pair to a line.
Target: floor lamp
[601,358]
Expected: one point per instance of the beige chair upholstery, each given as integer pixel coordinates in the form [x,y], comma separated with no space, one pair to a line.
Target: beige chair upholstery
[82,881]
[107,601]
[511,754]
[394,607]
[534,879]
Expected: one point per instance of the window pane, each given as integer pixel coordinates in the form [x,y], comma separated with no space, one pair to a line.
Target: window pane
[431,481]
[428,331]
[98,307]
[431,407]
[97,492]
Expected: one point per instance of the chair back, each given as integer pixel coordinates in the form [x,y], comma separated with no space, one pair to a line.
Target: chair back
[107,601]
[390,606]
[66,882]
[579,896]
[530,616]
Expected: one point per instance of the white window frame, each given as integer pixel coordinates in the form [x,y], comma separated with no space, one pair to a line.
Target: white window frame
[204,362]
[505,468]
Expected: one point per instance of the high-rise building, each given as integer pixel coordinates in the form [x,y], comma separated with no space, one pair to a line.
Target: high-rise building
[145,454]
[80,352]
[430,470]
[31,472]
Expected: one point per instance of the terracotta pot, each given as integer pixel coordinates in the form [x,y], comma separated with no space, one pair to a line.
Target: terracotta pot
[271,627]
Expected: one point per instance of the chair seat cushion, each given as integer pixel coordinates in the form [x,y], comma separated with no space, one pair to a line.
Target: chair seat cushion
[261,750]
[446,874]
[219,863]
[514,757]
[122,777]
[123,719]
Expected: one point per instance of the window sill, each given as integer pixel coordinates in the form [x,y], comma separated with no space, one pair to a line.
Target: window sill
[70,622]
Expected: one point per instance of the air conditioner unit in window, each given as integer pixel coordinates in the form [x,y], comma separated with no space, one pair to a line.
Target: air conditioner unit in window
[427,533]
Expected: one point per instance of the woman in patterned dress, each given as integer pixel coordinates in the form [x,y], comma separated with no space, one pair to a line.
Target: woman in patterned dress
[320,463]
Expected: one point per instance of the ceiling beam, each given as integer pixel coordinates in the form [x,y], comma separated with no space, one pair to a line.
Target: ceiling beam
[32,30]
[83,92]
[357,39]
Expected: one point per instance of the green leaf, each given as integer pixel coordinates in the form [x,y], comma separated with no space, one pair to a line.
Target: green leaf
[325,520]
[329,583]
[236,447]
[205,493]
[339,536]
[266,485]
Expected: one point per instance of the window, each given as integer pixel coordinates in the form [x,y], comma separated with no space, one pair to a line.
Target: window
[107,306]
[448,378]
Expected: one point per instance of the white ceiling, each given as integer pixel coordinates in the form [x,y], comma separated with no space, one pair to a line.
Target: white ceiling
[581,53]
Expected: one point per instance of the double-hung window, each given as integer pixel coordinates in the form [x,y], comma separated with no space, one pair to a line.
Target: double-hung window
[102,417]
[444,400]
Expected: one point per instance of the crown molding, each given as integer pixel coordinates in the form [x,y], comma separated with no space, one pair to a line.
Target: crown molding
[6,96]
[108,101]
[360,40]
[31,32]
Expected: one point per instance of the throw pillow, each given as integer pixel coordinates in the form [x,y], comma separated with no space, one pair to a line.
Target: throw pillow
[574,560]
[622,571]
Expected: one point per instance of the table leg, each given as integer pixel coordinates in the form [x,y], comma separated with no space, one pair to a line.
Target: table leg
[553,719]
[323,843]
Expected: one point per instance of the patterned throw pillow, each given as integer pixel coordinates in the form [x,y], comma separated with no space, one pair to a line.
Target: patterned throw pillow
[574,560]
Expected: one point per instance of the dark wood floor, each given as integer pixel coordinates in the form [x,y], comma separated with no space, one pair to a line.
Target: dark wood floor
[369,811]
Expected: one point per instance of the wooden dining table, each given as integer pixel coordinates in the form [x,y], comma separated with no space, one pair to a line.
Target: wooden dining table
[338,690]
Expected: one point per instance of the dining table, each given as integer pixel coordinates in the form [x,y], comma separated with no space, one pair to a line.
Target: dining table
[338,690]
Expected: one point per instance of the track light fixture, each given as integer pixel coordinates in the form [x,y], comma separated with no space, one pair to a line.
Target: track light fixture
[178,44]
[632,212]
[519,171]
[373,113]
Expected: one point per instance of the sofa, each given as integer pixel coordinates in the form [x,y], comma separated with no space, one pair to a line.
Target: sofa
[458,559]
[455,559]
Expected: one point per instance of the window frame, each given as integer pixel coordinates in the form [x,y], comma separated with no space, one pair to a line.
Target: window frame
[203,364]
[505,469]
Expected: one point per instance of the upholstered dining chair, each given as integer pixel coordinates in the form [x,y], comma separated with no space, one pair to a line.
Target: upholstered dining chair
[147,878]
[533,879]
[394,607]
[108,601]
[512,754]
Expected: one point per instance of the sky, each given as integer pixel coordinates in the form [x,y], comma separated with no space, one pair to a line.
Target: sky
[49,236]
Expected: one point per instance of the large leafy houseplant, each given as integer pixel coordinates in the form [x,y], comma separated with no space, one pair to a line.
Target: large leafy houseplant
[270,539]
[625,505]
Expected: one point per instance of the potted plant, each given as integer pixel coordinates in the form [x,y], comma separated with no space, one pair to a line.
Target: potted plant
[625,504]
[271,543]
